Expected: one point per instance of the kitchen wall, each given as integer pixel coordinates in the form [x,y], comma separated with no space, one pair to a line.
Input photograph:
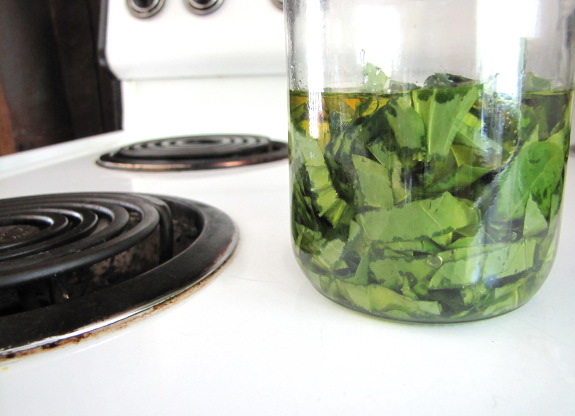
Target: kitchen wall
[51,86]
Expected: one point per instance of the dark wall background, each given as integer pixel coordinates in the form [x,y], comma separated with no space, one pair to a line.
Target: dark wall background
[52,88]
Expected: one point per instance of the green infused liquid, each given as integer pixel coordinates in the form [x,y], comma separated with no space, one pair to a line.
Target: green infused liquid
[436,204]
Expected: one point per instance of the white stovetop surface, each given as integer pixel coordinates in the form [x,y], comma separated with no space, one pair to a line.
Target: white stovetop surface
[259,340]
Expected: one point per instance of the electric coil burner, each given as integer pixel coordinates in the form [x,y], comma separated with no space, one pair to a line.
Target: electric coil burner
[74,263]
[195,152]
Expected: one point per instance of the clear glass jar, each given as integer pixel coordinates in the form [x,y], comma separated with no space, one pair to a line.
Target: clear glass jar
[428,145]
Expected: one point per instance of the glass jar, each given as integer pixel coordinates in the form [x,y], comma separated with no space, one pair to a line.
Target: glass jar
[428,146]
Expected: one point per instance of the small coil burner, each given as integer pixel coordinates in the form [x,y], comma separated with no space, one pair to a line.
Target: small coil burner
[195,153]
[74,263]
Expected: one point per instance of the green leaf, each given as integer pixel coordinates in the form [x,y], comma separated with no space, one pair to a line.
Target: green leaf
[532,82]
[510,259]
[442,112]
[307,240]
[422,246]
[537,170]
[406,123]
[391,161]
[430,205]
[376,298]
[375,80]
[386,300]
[445,80]
[457,274]
[535,221]
[400,267]
[329,258]
[362,272]
[496,261]
[374,187]
[325,197]
[461,178]
[426,218]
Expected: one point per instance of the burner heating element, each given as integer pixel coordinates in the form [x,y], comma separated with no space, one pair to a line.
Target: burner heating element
[73,263]
[195,153]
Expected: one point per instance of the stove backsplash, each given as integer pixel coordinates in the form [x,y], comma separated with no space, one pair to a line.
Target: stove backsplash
[238,38]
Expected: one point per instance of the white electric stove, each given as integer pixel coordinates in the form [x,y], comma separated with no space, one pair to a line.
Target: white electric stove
[252,336]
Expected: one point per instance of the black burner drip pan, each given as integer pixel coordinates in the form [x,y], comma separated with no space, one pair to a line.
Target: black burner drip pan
[195,153]
[74,263]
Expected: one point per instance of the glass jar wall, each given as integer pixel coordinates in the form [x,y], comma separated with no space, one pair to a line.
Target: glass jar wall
[428,145]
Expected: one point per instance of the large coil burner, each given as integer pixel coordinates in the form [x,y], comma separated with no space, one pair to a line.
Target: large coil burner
[74,263]
[195,153]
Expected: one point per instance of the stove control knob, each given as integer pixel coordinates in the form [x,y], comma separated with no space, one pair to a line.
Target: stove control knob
[204,6]
[279,3]
[145,8]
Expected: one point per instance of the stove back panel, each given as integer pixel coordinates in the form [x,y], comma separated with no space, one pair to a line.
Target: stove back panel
[240,38]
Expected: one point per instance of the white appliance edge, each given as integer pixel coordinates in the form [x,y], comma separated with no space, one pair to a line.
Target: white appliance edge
[258,339]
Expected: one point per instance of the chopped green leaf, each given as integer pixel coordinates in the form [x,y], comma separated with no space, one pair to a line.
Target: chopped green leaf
[443,111]
[433,204]
[426,218]
[406,123]
[537,170]
[374,184]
